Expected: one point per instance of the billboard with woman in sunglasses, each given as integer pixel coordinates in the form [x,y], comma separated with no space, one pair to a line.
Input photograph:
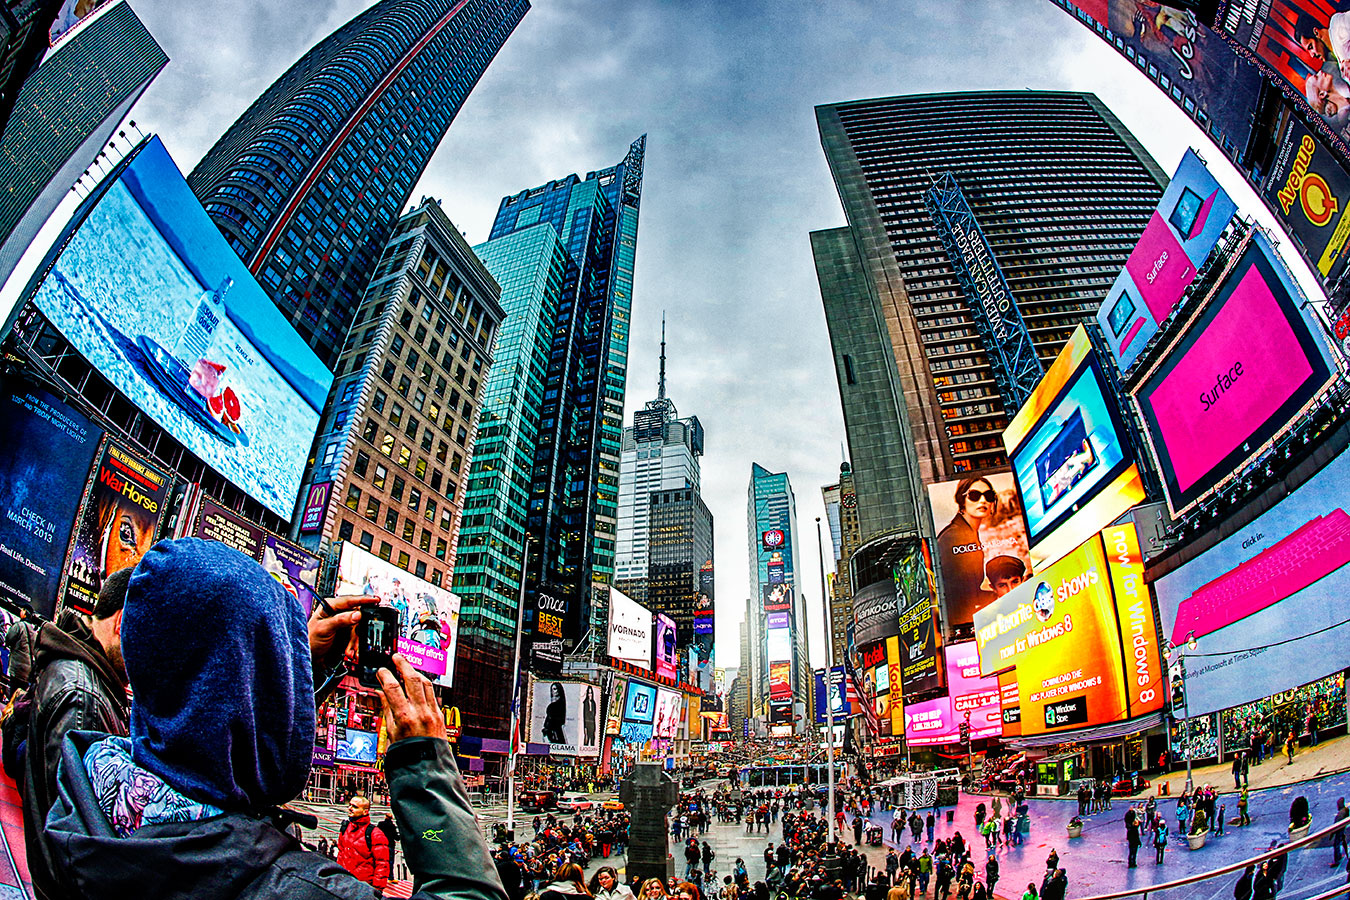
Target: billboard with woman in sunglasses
[981,544]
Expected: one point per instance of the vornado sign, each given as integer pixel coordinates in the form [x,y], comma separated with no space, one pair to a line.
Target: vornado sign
[630,630]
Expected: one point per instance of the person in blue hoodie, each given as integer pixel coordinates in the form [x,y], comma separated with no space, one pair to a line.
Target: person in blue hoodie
[218,657]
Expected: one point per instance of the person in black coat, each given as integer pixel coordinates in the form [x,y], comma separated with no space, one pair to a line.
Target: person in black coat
[1243,889]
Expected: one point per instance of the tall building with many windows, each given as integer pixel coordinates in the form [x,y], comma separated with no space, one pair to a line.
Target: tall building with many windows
[780,673]
[308,182]
[573,493]
[841,510]
[1058,191]
[681,529]
[660,453]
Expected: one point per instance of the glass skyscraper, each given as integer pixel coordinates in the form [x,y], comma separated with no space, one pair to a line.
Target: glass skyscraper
[308,182]
[779,669]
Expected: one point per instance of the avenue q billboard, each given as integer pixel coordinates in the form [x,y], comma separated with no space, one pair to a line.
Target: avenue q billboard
[1081,636]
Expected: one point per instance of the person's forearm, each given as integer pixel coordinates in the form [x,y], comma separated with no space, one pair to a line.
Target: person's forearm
[442,846]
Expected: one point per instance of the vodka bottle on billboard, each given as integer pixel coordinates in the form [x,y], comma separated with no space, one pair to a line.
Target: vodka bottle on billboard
[195,341]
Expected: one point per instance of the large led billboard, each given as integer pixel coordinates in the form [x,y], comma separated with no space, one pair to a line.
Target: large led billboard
[705,609]
[838,703]
[981,547]
[293,567]
[938,721]
[148,291]
[1068,448]
[1218,397]
[630,630]
[564,715]
[1266,603]
[1308,188]
[1192,214]
[49,449]
[663,650]
[1193,66]
[1082,637]
[428,615]
[1301,45]
[641,703]
[118,524]
[669,707]
[618,694]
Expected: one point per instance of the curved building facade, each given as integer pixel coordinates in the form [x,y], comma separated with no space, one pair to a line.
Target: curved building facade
[308,182]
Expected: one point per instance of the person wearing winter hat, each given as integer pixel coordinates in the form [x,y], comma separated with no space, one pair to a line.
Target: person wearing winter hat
[222,723]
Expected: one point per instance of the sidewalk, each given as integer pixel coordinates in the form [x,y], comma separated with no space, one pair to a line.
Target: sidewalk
[1327,758]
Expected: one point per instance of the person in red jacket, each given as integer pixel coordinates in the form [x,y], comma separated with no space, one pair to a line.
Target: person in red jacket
[363,849]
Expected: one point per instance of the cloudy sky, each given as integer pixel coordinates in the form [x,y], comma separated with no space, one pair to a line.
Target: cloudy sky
[734,182]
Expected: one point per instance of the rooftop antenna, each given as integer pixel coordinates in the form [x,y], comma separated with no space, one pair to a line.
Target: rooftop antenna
[661,385]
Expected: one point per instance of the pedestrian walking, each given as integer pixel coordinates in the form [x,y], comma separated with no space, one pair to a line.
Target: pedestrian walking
[1243,818]
[1289,747]
[1243,889]
[991,874]
[931,822]
[1159,840]
[1237,771]
[1338,844]
[1132,835]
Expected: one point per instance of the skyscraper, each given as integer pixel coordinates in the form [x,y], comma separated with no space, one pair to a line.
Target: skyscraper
[778,669]
[23,40]
[574,483]
[841,509]
[681,529]
[1059,191]
[307,183]
[64,117]
[660,453]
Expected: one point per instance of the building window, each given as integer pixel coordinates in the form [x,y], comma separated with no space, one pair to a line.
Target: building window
[414,499]
[386,550]
[421,570]
[329,453]
[372,508]
[445,518]
[353,496]
[404,383]
[436,577]
[387,445]
[362,462]
[378,403]
[403,559]
[409,529]
[381,473]
[395,414]
[344,530]
[399,485]
[370,430]
[404,456]
[421,470]
[430,513]
[391,520]
[440,548]
[367,540]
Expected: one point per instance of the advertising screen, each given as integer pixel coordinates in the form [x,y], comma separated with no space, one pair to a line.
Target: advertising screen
[546,629]
[1265,602]
[357,747]
[1009,703]
[316,505]
[119,522]
[428,615]
[1300,44]
[876,612]
[296,569]
[618,693]
[1217,398]
[1081,635]
[1194,66]
[1193,212]
[150,293]
[49,449]
[1073,467]
[938,721]
[1308,188]
[565,715]
[216,523]
[72,13]
[981,545]
[641,705]
[705,609]
[839,705]
[777,597]
[664,649]
[920,671]
[669,706]
[630,630]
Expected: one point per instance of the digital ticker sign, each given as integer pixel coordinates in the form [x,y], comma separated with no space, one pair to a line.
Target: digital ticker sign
[1081,636]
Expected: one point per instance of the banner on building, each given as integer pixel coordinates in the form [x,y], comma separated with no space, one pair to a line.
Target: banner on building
[565,716]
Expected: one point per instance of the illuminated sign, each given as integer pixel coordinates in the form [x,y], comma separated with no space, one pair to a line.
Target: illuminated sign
[773,539]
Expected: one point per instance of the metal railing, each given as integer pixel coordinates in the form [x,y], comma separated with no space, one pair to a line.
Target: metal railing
[1308,842]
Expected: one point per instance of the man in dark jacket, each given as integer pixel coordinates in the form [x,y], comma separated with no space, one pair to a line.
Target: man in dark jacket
[390,829]
[80,686]
[222,730]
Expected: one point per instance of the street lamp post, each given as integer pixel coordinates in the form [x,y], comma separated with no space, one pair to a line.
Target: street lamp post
[1168,649]
[829,679]
[515,698]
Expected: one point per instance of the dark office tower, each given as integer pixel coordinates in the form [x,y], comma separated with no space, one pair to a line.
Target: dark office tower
[1047,196]
[64,117]
[680,543]
[307,183]
[574,484]
[23,39]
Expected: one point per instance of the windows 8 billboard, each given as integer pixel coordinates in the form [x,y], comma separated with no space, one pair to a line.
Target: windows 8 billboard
[1217,397]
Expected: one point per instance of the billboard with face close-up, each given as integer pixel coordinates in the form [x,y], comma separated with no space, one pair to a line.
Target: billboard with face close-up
[49,448]
[118,525]
[1193,212]
[1264,604]
[1073,465]
[669,712]
[428,615]
[981,548]
[1307,187]
[663,650]
[565,715]
[1217,398]
[148,291]
[1081,636]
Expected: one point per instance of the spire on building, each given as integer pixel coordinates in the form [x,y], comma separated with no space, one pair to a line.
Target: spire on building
[661,384]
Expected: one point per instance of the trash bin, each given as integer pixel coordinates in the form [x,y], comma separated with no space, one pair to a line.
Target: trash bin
[951,816]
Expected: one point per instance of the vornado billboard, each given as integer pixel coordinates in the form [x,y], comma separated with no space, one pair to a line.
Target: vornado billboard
[630,630]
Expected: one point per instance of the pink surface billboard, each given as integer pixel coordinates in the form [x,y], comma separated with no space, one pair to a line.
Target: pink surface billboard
[1218,397]
[939,721]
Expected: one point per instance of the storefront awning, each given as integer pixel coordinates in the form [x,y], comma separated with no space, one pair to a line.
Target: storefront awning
[1101,733]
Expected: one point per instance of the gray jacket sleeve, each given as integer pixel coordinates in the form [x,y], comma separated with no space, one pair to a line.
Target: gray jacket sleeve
[445,851]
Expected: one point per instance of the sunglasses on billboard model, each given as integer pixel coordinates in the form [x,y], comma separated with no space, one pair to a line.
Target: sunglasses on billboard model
[986,496]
